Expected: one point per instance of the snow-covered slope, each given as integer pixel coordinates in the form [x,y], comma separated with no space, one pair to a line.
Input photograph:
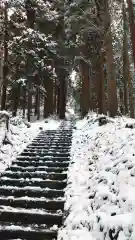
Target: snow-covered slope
[20,134]
[100,196]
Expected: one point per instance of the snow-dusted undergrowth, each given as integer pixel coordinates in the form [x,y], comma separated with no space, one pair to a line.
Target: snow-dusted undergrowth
[100,196]
[20,134]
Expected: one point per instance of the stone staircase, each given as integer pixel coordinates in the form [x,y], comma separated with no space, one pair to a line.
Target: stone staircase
[32,189]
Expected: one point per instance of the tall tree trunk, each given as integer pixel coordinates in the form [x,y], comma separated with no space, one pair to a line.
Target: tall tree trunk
[125,60]
[1,51]
[85,76]
[38,98]
[38,104]
[111,74]
[85,91]
[48,104]
[29,99]
[131,97]
[63,93]
[101,88]
[58,99]
[121,100]
[38,108]
[1,71]
[36,101]
[1,68]
[55,97]
[15,98]
[5,63]
[15,93]
[24,100]
[132,27]
[45,98]
[126,68]
[30,12]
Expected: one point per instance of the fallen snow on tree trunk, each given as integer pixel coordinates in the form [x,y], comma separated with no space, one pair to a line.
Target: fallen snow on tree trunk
[20,134]
[100,195]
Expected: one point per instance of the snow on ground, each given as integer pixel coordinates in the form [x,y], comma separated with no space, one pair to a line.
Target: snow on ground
[21,133]
[100,195]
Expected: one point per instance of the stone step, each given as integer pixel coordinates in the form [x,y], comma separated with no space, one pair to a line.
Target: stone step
[43,158]
[64,140]
[40,168]
[36,174]
[27,202]
[54,184]
[54,138]
[49,164]
[45,154]
[42,144]
[66,148]
[31,192]
[14,233]
[29,216]
[46,150]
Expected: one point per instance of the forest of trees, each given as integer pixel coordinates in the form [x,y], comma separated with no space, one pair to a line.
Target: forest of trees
[43,42]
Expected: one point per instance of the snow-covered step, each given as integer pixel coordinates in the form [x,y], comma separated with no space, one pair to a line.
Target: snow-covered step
[30,232]
[29,216]
[36,174]
[53,148]
[43,144]
[43,158]
[27,202]
[33,182]
[31,192]
[63,141]
[35,163]
[38,168]
[55,138]
[45,150]
[47,154]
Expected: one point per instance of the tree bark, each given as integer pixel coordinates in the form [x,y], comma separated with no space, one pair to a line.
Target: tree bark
[132,27]
[126,68]
[1,51]
[131,98]
[36,101]
[15,98]
[58,99]
[30,12]
[29,99]
[24,100]
[48,103]
[38,104]
[101,88]
[37,97]
[111,74]
[55,97]
[125,60]
[63,92]
[5,63]
[85,91]
[121,100]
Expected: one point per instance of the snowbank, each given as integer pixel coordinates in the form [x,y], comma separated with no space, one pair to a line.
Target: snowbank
[100,196]
[20,134]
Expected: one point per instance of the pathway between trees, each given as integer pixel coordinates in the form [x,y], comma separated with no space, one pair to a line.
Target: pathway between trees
[32,189]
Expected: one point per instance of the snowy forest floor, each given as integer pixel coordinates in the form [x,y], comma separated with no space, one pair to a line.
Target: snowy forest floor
[100,195]
[20,134]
